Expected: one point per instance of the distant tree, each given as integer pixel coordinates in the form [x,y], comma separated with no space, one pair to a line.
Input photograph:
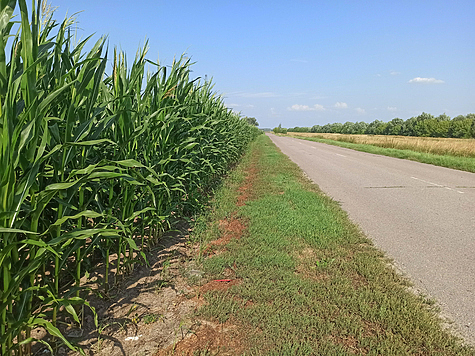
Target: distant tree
[360,127]
[299,129]
[459,118]
[251,121]
[472,130]
[407,127]
[348,128]
[335,127]
[376,127]
[316,128]
[433,128]
[280,129]
[460,128]
[425,116]
[394,127]
[414,126]
[443,117]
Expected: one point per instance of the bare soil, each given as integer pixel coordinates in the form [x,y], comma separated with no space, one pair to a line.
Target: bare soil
[153,310]
[150,309]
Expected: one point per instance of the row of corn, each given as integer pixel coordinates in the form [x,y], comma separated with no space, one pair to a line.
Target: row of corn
[92,164]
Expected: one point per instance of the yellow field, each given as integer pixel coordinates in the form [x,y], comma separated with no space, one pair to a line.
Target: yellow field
[440,146]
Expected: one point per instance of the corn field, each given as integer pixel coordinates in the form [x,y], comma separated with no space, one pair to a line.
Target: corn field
[92,164]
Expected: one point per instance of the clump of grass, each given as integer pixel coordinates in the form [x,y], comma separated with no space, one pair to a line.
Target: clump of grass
[311,283]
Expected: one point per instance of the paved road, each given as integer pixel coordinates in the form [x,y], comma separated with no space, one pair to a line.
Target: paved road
[421,215]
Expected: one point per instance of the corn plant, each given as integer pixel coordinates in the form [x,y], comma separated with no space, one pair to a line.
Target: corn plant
[92,162]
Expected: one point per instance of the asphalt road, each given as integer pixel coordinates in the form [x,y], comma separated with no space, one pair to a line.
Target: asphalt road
[422,216]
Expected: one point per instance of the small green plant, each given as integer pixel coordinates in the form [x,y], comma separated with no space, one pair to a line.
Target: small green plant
[324,263]
[150,318]
[131,309]
[160,285]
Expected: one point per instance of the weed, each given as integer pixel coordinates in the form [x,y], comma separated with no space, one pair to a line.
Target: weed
[324,263]
[151,318]
[159,285]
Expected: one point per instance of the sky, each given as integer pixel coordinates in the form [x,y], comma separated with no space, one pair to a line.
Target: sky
[305,63]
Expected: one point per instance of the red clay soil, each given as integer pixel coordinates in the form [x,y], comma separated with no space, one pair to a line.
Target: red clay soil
[209,339]
[251,175]
[231,228]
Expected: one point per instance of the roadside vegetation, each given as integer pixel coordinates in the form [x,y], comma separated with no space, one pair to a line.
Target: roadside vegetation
[301,278]
[444,152]
[93,164]
[438,146]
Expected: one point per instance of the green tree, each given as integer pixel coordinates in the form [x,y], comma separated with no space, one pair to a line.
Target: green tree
[443,117]
[360,127]
[394,127]
[472,130]
[460,127]
[299,129]
[316,128]
[335,127]
[251,121]
[280,129]
[348,128]
[376,127]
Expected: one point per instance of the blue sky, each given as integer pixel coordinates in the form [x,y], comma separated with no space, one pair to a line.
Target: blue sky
[302,63]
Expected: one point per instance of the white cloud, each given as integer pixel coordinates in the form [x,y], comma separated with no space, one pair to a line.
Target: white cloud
[392,108]
[297,107]
[419,80]
[341,105]
[393,72]
[233,105]
[360,111]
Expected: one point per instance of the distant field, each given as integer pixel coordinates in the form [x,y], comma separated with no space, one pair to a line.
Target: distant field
[439,146]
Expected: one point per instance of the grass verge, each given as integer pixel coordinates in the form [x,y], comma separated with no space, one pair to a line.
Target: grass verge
[305,279]
[448,161]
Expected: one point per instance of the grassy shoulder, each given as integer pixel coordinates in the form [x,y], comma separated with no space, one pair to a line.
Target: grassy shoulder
[303,280]
[448,161]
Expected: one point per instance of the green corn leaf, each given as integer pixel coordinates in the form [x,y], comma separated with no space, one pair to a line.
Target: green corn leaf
[131,163]
[16,231]
[52,330]
[87,214]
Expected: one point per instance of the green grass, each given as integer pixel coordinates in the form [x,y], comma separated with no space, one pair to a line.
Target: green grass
[460,163]
[310,282]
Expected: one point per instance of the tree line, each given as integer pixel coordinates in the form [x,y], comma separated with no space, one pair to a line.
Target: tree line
[424,125]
